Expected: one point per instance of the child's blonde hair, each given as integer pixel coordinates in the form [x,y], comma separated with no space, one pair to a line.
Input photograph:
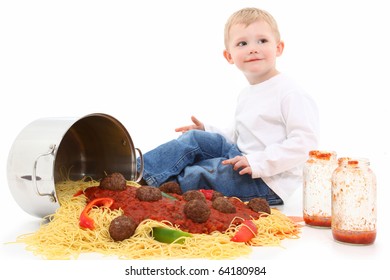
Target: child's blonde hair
[248,16]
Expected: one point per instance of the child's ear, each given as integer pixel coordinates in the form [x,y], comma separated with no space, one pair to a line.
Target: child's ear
[228,56]
[279,48]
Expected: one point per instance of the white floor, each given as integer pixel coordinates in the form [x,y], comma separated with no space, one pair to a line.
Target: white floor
[314,250]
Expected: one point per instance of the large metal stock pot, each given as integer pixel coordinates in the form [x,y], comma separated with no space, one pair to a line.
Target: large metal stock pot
[46,149]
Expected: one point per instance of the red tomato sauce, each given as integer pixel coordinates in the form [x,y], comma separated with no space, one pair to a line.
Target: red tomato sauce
[172,210]
[317,221]
[354,237]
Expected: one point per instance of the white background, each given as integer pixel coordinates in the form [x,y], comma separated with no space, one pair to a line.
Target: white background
[153,64]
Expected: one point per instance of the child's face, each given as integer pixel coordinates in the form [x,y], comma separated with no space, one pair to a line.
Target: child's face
[253,49]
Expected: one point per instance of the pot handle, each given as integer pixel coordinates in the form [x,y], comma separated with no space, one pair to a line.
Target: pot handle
[34,174]
[141,169]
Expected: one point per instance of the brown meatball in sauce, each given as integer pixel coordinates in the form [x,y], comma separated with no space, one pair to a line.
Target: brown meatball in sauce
[115,182]
[193,194]
[121,228]
[222,204]
[197,210]
[146,193]
[259,205]
[171,187]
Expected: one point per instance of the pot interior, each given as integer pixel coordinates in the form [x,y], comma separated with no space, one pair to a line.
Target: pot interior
[92,147]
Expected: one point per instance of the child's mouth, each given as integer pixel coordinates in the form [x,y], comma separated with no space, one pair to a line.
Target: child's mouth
[253,60]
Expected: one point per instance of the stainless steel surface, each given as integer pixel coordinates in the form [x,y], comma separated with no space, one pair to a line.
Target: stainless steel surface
[50,150]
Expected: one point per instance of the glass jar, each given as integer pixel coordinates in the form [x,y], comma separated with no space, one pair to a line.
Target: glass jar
[354,210]
[317,184]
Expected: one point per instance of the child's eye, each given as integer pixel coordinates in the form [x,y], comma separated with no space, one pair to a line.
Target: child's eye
[241,44]
[262,41]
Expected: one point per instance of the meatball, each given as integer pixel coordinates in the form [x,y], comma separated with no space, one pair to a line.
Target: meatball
[216,195]
[114,182]
[222,204]
[259,205]
[193,194]
[121,228]
[197,210]
[171,187]
[146,193]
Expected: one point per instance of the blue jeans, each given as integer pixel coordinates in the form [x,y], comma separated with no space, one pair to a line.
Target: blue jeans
[194,161]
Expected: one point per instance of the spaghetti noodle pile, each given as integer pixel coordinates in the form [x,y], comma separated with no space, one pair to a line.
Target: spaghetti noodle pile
[62,237]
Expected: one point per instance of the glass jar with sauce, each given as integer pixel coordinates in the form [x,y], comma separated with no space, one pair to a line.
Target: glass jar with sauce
[317,184]
[354,210]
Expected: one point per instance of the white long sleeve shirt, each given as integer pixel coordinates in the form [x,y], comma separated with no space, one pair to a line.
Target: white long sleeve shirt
[276,125]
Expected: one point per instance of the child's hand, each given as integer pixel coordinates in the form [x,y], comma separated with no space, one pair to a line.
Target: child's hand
[239,162]
[197,125]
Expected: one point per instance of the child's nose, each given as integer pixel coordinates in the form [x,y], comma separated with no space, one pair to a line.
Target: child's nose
[254,49]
